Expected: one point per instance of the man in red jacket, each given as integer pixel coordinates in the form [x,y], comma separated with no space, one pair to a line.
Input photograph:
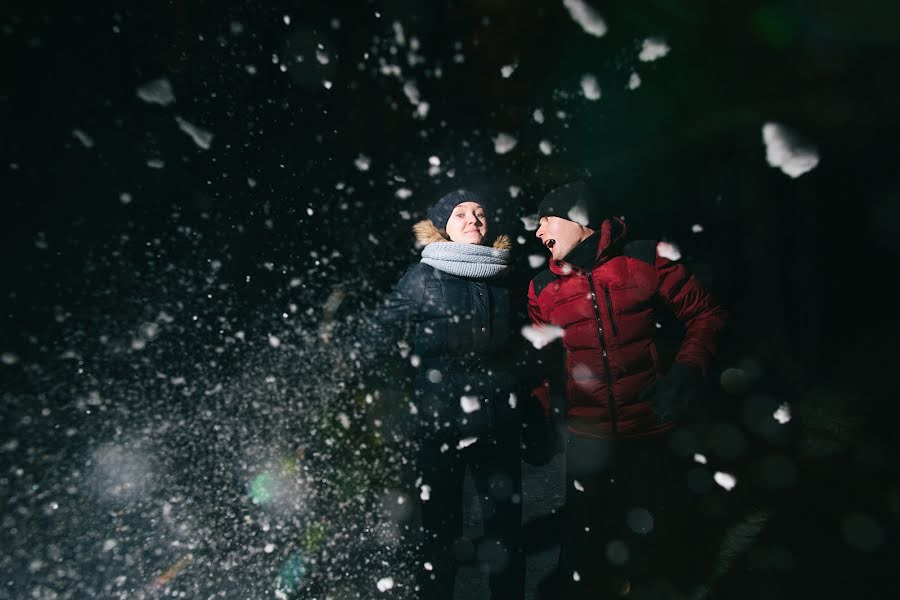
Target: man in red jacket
[624,486]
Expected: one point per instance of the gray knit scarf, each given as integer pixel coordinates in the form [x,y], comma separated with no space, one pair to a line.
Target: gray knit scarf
[466,260]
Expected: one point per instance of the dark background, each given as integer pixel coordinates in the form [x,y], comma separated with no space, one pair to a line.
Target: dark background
[232,238]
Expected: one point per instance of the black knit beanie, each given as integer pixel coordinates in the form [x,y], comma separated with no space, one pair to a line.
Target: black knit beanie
[443,208]
[573,201]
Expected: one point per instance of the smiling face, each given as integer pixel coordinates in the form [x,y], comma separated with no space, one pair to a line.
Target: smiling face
[467,224]
[560,235]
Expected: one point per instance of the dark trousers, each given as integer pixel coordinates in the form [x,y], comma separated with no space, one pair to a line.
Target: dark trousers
[626,502]
[496,471]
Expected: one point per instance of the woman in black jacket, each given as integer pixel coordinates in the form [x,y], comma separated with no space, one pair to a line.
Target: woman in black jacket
[455,306]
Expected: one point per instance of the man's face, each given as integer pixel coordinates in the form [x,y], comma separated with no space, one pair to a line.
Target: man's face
[559,235]
[467,223]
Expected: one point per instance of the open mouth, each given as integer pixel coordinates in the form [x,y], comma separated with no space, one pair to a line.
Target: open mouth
[550,244]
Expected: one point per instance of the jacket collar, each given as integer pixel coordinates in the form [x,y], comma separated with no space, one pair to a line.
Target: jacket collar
[595,250]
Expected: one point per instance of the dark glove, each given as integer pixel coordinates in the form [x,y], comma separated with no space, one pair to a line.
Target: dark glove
[672,394]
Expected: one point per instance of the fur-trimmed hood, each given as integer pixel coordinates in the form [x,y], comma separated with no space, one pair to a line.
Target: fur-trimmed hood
[428,233]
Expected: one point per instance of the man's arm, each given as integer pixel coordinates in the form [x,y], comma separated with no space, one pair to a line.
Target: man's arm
[703,317]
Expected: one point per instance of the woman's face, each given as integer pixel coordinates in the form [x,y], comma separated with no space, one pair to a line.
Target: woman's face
[467,223]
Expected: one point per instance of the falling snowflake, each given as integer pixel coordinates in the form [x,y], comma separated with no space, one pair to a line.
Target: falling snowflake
[504,143]
[541,336]
[466,442]
[385,583]
[668,250]
[653,49]
[530,222]
[590,88]
[725,480]
[158,91]
[86,140]
[201,137]
[589,19]
[469,404]
[787,152]
[536,260]
[634,81]
[783,414]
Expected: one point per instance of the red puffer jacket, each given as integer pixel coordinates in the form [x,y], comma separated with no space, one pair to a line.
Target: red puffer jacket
[608,321]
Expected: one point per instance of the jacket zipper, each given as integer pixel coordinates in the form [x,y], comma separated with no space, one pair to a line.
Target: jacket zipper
[609,309]
[609,383]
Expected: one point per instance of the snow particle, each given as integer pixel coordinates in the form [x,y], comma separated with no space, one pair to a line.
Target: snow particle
[158,91]
[201,137]
[538,115]
[541,336]
[513,401]
[466,442]
[576,576]
[504,142]
[546,147]
[697,228]
[434,161]
[588,18]
[86,140]
[385,583]
[634,81]
[536,261]
[425,493]
[783,413]
[652,49]
[589,87]
[726,480]
[507,70]
[403,193]
[469,404]
[787,152]
[274,341]
[363,162]
[668,250]
[577,485]
[578,214]
[8,358]
[530,222]
[699,458]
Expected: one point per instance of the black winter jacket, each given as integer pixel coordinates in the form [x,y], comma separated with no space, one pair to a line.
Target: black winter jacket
[460,332]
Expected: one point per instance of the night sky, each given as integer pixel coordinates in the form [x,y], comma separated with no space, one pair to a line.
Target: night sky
[186,183]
